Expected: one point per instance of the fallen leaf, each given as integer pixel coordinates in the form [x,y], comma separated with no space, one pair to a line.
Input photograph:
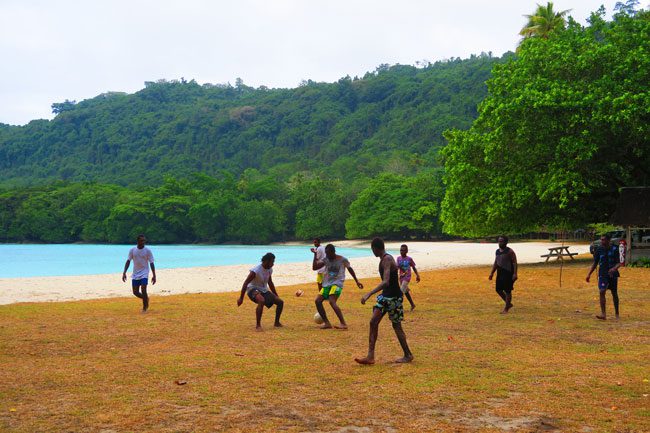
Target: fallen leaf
[646,380]
[614,407]
[450,338]
[180,382]
[619,383]
[239,354]
[13,409]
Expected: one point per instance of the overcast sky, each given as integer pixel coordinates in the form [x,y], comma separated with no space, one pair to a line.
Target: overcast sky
[68,49]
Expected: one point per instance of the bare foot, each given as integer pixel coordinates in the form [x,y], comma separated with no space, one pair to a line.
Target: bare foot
[509,306]
[601,317]
[412,307]
[618,317]
[278,325]
[258,329]
[365,361]
[504,311]
[325,326]
[341,326]
[404,360]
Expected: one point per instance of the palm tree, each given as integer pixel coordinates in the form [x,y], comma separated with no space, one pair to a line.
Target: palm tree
[544,21]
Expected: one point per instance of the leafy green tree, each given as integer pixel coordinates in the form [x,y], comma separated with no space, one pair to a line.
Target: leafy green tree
[564,126]
[255,221]
[397,206]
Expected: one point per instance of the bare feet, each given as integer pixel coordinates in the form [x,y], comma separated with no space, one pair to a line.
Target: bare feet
[504,311]
[404,360]
[278,325]
[365,361]
[509,306]
[599,317]
[412,307]
[341,326]
[325,326]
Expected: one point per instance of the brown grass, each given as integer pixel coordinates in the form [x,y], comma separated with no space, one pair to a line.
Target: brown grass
[101,366]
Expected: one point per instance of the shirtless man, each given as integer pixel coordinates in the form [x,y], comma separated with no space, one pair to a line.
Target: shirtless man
[390,301]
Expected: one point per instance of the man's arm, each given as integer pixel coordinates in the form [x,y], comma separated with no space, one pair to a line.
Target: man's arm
[494,269]
[316,264]
[359,285]
[417,276]
[592,269]
[126,268]
[385,279]
[251,277]
[153,270]
[272,286]
[513,258]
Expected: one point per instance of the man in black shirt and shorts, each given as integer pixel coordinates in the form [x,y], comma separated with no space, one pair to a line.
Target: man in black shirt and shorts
[505,265]
[390,301]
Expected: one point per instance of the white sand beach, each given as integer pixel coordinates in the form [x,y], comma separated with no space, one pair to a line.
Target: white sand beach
[427,255]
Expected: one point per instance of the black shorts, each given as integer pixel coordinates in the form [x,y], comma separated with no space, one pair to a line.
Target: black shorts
[268,297]
[504,281]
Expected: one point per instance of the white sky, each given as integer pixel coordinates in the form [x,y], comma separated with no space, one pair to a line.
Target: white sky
[76,49]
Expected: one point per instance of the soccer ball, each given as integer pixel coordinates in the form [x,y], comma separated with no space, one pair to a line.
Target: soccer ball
[318,319]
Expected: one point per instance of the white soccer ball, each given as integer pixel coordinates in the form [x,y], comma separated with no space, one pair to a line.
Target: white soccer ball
[318,319]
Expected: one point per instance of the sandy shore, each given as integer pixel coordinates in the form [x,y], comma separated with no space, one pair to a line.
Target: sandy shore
[427,255]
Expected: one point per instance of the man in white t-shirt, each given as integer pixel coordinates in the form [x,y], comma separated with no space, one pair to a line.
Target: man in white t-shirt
[320,255]
[333,279]
[257,286]
[142,258]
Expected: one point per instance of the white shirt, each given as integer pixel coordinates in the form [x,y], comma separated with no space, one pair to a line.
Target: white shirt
[335,271]
[141,259]
[261,280]
[320,255]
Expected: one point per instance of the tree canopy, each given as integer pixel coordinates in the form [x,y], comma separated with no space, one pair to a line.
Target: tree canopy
[564,126]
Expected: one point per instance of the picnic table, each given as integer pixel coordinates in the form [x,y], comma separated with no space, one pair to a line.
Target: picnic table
[559,252]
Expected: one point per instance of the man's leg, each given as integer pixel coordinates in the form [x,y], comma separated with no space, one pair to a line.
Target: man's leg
[377,315]
[502,295]
[508,300]
[404,287]
[603,305]
[401,336]
[337,310]
[408,296]
[279,305]
[319,307]
[259,300]
[615,299]
[145,298]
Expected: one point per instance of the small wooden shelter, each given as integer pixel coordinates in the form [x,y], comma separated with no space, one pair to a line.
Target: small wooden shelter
[633,214]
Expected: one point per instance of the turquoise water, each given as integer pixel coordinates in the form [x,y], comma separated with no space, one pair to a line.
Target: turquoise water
[77,259]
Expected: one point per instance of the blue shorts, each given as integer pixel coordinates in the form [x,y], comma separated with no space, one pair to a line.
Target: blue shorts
[605,282]
[141,282]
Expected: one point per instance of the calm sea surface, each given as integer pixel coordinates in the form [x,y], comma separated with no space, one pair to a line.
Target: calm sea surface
[75,259]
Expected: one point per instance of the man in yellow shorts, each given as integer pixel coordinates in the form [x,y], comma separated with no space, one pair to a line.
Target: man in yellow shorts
[333,279]
[319,250]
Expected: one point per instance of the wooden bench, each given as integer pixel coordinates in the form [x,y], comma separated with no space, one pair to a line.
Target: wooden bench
[559,253]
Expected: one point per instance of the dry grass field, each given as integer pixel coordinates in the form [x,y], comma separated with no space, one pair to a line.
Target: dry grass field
[549,365]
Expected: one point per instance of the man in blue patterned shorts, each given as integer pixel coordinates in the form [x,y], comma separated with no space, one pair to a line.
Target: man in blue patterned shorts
[389,302]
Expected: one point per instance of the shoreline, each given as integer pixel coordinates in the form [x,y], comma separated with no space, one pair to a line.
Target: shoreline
[428,256]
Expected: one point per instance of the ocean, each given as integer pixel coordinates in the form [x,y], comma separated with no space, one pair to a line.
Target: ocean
[35,260]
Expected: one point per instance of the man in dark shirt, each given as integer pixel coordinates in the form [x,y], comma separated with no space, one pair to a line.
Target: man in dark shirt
[607,258]
[390,301]
[505,265]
